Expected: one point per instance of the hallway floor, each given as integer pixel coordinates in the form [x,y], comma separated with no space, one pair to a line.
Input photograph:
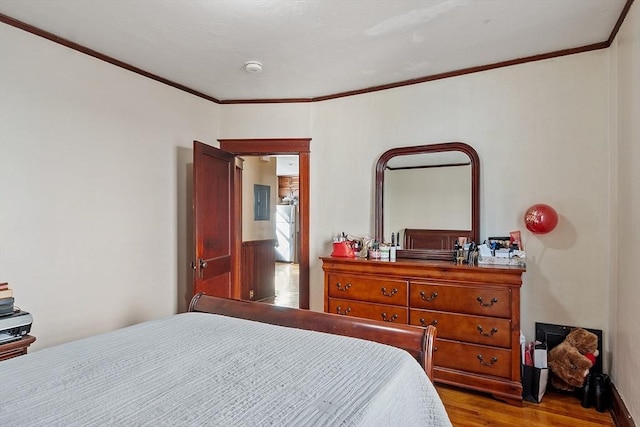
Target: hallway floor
[287,279]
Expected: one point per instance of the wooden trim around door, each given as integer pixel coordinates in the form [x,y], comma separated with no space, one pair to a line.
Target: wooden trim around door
[290,146]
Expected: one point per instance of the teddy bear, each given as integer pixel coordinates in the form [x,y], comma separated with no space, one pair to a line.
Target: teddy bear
[571,360]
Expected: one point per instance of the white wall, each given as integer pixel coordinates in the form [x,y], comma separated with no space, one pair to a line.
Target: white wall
[265,121]
[541,131]
[94,188]
[256,171]
[625,284]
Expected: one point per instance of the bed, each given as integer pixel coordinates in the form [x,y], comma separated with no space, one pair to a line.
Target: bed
[229,363]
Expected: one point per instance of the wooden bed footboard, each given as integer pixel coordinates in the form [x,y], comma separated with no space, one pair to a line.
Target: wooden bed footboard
[416,340]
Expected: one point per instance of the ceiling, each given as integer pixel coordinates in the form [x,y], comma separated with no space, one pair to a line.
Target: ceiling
[316,48]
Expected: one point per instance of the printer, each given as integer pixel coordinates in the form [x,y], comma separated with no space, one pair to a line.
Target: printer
[14,326]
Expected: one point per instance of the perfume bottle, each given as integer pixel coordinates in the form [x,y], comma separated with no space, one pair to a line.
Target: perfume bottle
[456,249]
[374,253]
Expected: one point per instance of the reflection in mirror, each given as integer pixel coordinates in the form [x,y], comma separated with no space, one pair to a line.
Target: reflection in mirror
[412,183]
[428,194]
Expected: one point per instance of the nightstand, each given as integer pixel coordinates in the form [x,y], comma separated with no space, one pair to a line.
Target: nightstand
[16,348]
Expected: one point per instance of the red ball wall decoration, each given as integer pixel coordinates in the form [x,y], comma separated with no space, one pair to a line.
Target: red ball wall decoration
[541,218]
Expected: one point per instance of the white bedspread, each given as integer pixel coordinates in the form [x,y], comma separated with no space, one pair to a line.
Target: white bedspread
[208,370]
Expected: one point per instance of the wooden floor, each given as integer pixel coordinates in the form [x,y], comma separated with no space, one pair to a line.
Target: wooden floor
[470,409]
[287,285]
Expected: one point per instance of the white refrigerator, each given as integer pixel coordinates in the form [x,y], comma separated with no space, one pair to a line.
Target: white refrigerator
[287,233]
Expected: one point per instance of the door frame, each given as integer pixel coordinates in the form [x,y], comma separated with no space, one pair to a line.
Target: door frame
[285,146]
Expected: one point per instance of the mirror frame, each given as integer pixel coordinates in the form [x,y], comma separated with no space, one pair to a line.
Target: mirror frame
[381,165]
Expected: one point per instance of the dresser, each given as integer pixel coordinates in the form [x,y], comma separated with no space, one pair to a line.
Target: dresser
[476,310]
[16,348]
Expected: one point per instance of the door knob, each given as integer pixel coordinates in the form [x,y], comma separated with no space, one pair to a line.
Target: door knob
[203,263]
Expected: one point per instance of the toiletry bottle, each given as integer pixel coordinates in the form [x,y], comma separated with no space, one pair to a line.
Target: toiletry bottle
[456,249]
[374,253]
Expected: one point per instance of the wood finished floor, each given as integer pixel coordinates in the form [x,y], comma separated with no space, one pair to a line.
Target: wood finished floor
[287,285]
[470,409]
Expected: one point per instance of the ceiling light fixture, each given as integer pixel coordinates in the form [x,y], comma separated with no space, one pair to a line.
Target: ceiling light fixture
[253,67]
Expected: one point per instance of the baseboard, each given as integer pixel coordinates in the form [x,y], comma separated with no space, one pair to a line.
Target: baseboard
[619,412]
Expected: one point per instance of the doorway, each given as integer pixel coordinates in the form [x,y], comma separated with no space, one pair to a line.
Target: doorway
[270,243]
[299,147]
[287,278]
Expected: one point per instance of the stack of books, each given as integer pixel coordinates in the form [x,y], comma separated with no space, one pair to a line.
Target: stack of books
[6,299]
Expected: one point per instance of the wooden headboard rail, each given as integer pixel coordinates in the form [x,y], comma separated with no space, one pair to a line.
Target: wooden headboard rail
[416,340]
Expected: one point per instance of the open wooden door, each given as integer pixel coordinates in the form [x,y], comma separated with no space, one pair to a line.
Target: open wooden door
[216,223]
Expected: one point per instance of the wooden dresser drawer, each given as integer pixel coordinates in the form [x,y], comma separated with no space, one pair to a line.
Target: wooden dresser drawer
[472,358]
[463,327]
[483,301]
[476,310]
[386,313]
[365,288]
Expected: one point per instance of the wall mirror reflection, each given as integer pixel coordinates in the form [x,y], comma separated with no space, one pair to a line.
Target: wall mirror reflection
[429,195]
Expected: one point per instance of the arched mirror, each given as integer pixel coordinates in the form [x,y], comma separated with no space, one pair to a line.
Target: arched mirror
[429,196]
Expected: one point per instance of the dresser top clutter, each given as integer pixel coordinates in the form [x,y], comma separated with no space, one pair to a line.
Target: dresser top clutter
[416,266]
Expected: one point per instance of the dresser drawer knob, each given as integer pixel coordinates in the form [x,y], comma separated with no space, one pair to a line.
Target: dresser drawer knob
[424,322]
[490,334]
[424,296]
[390,319]
[482,303]
[389,294]
[345,288]
[482,362]
[344,313]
